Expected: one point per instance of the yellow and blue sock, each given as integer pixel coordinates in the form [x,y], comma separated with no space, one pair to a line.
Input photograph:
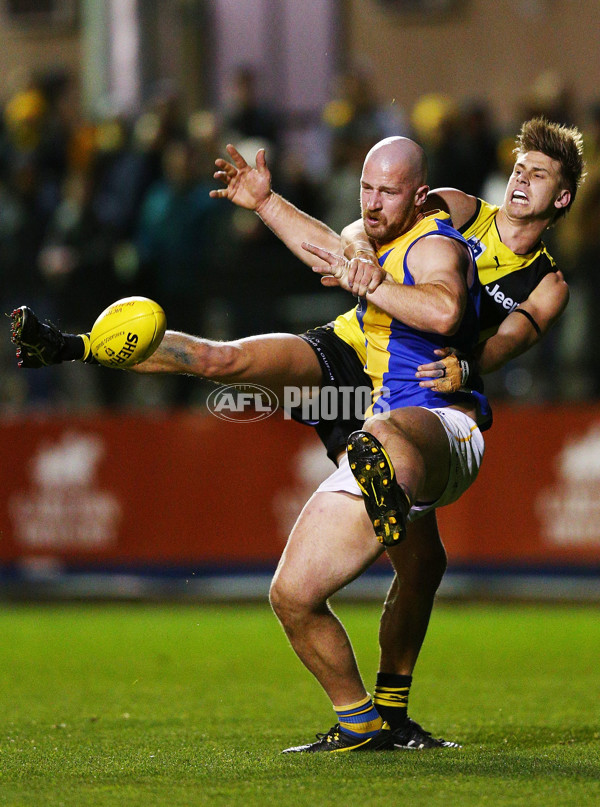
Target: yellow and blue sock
[360,720]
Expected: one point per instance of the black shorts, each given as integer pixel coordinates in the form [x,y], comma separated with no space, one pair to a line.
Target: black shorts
[341,369]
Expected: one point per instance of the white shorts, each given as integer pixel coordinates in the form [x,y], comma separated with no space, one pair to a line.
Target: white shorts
[466,454]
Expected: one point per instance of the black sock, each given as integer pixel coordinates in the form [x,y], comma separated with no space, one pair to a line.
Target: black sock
[77,348]
[391,697]
[74,348]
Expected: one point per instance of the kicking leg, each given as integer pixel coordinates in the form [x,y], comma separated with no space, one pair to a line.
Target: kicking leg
[275,360]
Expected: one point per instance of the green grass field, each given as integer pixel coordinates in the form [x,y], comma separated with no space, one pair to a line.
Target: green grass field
[191,705]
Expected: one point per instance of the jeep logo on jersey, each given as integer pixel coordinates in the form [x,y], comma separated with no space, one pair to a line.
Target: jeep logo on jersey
[499,297]
[244,403]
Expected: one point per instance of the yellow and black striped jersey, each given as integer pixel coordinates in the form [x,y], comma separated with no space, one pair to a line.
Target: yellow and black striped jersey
[507,279]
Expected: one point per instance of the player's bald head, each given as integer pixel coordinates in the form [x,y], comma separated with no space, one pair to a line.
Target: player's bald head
[399,156]
[393,188]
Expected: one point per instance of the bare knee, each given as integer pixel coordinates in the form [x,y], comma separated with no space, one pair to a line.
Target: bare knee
[380,428]
[284,602]
[291,606]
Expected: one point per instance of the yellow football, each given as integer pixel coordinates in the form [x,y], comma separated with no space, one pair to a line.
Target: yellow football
[128,332]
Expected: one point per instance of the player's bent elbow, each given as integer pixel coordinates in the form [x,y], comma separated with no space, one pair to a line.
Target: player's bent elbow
[447,321]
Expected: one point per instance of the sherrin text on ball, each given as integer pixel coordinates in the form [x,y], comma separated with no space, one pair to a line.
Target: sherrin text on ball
[128,332]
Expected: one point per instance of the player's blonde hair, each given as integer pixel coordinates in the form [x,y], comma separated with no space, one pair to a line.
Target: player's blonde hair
[559,142]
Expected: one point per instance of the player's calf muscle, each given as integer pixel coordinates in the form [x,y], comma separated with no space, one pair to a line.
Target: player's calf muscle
[275,359]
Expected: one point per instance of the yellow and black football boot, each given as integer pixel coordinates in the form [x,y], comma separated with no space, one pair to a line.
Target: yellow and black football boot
[386,503]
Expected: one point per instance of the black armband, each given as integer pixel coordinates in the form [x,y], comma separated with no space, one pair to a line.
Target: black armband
[537,328]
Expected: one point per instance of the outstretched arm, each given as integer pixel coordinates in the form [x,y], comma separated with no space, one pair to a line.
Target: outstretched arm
[251,188]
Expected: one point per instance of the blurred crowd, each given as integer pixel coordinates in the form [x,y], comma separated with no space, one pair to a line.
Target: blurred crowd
[91,211]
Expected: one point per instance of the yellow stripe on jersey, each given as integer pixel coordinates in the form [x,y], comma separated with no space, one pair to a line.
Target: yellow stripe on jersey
[347,327]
